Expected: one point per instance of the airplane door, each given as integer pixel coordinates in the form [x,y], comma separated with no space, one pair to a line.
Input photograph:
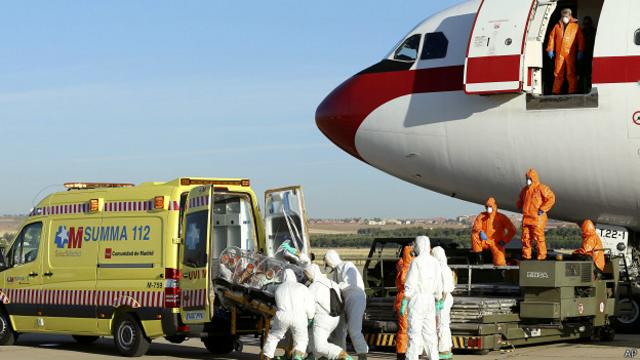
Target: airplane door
[496,47]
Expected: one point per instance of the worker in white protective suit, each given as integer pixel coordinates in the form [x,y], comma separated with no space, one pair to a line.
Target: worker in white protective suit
[443,308]
[295,309]
[422,289]
[355,301]
[325,320]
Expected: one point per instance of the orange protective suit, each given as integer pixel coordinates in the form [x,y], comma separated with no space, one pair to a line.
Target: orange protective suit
[533,199]
[499,230]
[402,338]
[591,244]
[566,41]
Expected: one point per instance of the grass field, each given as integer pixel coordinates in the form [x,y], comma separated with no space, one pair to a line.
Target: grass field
[331,229]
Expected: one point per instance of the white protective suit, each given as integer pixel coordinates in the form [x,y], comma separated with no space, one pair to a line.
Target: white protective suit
[323,323]
[355,301]
[443,317]
[295,308]
[421,289]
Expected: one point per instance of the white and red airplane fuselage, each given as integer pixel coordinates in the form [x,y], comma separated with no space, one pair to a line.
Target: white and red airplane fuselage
[470,120]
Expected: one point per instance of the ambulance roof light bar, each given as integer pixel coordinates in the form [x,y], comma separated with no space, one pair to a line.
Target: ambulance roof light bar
[239,182]
[94,185]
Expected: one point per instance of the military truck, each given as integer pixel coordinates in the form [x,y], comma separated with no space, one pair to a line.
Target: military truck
[501,307]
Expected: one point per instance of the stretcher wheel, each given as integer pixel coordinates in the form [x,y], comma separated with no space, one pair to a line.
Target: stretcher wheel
[219,345]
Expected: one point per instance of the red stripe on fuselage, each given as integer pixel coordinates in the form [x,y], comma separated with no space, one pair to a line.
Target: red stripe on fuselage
[616,69]
[342,112]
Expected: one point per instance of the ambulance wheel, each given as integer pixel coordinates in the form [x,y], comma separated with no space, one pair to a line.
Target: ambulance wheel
[129,336]
[84,339]
[7,335]
[629,323]
[219,345]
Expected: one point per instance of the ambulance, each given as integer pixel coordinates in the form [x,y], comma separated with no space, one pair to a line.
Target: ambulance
[138,262]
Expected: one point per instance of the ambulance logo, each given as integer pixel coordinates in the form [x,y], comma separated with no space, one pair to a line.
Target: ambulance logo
[62,237]
[71,239]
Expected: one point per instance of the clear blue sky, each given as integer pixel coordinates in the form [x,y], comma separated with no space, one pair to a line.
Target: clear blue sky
[152,90]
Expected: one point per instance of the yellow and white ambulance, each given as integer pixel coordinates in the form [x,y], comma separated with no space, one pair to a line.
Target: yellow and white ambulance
[137,262]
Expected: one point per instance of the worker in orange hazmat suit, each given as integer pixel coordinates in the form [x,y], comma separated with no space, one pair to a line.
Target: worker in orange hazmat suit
[591,244]
[536,199]
[402,338]
[566,45]
[492,231]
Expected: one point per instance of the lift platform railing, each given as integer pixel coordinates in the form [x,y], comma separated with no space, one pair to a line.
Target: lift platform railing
[470,268]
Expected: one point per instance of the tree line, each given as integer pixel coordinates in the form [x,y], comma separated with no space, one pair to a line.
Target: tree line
[567,238]
[6,238]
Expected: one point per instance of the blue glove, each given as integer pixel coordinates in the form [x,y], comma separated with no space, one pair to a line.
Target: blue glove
[439,305]
[540,212]
[551,54]
[580,55]
[290,249]
[403,307]
[483,236]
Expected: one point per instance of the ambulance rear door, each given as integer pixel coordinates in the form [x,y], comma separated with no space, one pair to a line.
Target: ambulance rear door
[496,47]
[286,220]
[196,300]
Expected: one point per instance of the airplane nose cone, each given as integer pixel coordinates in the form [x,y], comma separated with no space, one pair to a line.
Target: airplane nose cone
[337,120]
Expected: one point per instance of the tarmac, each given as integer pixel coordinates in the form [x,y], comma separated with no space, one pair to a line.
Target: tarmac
[46,347]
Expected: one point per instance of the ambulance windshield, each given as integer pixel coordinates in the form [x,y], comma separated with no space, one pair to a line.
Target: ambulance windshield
[195,252]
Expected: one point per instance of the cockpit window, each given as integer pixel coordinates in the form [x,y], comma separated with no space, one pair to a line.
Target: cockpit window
[637,37]
[408,51]
[435,46]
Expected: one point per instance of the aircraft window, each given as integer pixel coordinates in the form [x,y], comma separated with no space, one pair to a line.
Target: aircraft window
[408,51]
[435,46]
[637,37]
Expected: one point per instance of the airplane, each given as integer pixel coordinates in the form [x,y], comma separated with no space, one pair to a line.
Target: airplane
[462,106]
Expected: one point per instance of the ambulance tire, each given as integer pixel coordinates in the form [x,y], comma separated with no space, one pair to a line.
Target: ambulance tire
[219,345]
[129,336]
[8,337]
[84,339]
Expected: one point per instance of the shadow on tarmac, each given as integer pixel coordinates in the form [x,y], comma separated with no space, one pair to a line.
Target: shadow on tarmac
[106,347]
